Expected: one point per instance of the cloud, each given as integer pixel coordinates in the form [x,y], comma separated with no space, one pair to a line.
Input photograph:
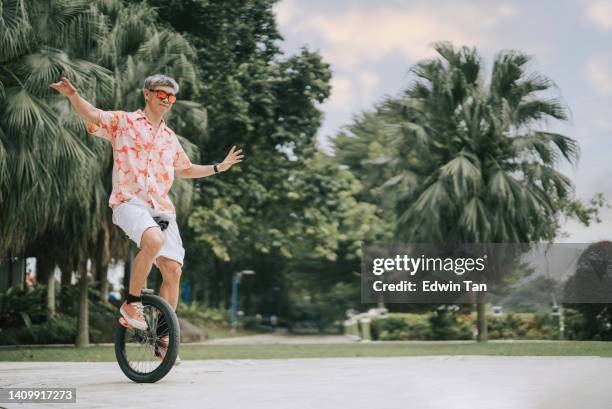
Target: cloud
[599,73]
[349,92]
[600,13]
[285,11]
[368,81]
[340,98]
[368,33]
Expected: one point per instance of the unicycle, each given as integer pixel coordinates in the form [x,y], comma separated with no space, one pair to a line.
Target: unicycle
[136,350]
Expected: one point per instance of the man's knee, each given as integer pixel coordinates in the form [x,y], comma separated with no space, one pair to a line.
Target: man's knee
[152,240]
[171,270]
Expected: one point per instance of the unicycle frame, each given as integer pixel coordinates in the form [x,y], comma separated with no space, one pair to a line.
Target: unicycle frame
[149,299]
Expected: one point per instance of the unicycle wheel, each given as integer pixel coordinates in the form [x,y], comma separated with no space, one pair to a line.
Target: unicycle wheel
[137,350]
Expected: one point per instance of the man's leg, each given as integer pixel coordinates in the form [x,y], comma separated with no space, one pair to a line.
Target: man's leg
[169,291]
[171,274]
[132,310]
[151,242]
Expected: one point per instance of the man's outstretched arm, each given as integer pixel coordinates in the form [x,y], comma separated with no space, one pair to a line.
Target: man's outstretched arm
[200,171]
[87,111]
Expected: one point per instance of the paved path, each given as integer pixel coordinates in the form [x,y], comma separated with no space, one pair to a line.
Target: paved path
[440,382]
[268,339]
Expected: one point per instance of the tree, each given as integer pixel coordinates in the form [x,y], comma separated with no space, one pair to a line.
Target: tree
[266,103]
[45,161]
[470,161]
[48,186]
[588,289]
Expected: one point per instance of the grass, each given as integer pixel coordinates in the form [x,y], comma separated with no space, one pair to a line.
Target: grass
[519,348]
[219,331]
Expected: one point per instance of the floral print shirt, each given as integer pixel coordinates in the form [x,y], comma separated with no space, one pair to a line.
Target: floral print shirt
[144,163]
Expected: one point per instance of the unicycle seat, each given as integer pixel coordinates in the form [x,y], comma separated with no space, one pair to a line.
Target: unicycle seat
[163,223]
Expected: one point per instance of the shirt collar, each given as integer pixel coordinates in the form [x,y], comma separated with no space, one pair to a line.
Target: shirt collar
[139,114]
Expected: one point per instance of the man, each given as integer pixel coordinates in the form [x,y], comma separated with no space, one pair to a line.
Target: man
[147,155]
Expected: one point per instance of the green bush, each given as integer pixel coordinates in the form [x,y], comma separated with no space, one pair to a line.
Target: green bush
[202,313]
[446,324]
[523,326]
[576,325]
[441,324]
[249,323]
[401,326]
[23,317]
[22,307]
[59,330]
[102,322]
[323,311]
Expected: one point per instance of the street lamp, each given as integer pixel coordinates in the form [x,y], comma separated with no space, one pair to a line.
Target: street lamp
[235,280]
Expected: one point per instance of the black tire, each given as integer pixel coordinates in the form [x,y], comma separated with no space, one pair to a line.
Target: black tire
[174,334]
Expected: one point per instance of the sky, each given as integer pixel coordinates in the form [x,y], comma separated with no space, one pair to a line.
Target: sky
[372,45]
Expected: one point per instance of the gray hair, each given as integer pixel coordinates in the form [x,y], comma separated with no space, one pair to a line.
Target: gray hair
[160,79]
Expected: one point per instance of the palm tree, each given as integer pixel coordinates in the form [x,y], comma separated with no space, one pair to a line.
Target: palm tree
[49,186]
[46,162]
[54,179]
[472,162]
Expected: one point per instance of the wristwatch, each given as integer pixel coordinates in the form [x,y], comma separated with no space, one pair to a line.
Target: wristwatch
[215,167]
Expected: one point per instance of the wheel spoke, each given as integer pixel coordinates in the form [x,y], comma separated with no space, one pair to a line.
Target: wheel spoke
[139,347]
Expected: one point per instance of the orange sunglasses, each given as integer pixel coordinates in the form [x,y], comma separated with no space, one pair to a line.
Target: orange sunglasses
[163,95]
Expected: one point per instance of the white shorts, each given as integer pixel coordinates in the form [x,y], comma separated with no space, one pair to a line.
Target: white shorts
[134,217]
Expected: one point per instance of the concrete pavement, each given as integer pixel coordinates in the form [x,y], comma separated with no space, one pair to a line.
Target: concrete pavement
[437,382]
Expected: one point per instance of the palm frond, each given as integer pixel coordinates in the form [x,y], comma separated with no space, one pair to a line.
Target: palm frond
[464,173]
[16,35]
[508,70]
[25,112]
[475,221]
[567,146]
[537,109]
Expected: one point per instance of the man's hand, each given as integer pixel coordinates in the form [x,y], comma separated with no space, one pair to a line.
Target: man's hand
[202,171]
[85,110]
[64,87]
[232,157]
